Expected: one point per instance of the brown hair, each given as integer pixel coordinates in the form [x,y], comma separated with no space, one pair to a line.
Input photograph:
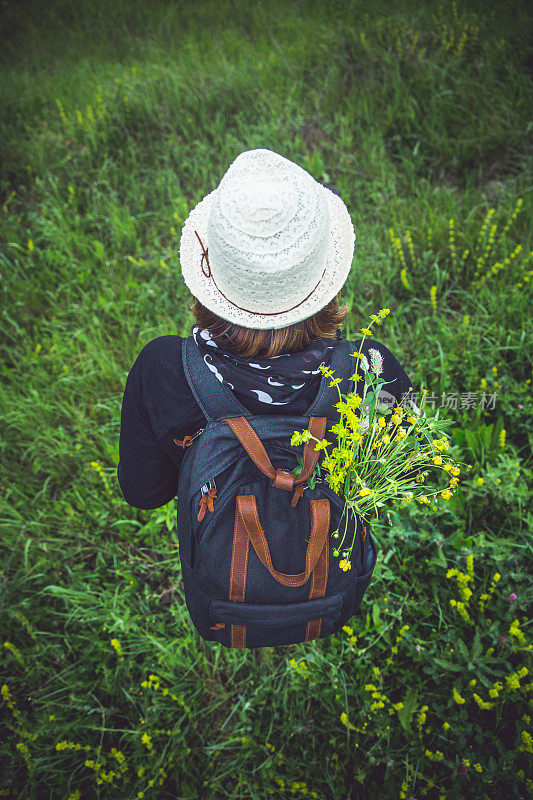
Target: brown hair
[246,342]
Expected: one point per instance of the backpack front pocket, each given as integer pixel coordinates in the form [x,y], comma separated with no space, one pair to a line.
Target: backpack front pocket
[269,624]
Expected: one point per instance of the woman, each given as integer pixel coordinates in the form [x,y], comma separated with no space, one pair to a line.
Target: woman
[264,255]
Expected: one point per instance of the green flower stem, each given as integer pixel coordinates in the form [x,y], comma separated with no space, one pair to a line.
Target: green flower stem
[382,469]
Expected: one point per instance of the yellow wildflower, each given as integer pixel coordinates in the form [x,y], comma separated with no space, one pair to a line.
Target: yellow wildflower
[328,463]
[457,697]
[147,740]
[342,407]
[433,296]
[512,681]
[348,630]
[404,278]
[422,716]
[482,703]
[353,401]
[16,652]
[515,631]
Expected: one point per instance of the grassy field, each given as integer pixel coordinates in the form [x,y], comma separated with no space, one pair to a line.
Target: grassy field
[116,118]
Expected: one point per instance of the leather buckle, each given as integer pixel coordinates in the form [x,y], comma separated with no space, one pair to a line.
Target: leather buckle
[283,480]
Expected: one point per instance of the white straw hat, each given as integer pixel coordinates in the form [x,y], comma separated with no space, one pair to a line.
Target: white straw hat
[270,246]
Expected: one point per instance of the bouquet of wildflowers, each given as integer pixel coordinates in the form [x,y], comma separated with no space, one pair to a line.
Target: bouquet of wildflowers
[382,455]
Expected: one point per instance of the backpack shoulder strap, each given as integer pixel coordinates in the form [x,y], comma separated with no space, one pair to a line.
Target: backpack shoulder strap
[215,399]
[343,363]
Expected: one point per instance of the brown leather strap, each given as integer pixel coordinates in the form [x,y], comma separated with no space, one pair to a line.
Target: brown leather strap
[255,449]
[298,492]
[252,444]
[320,517]
[317,426]
[237,582]
[318,589]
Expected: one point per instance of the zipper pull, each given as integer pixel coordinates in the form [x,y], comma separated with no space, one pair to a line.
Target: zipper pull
[317,480]
[197,434]
[188,440]
[209,493]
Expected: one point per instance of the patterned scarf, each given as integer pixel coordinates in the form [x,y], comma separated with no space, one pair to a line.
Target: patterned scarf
[273,381]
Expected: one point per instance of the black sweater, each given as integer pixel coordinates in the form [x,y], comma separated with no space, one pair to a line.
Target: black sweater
[158,406]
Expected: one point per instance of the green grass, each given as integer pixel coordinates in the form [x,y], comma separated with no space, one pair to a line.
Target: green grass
[116,119]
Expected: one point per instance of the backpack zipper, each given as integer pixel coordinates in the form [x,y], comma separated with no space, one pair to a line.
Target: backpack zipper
[317,480]
[188,440]
[196,435]
[209,485]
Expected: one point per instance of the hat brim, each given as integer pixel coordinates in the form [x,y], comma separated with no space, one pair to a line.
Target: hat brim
[337,268]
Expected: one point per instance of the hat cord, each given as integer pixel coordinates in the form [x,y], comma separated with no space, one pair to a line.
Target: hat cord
[257,313]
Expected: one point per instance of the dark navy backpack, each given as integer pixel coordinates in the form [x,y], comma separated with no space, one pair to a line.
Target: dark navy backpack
[255,540]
